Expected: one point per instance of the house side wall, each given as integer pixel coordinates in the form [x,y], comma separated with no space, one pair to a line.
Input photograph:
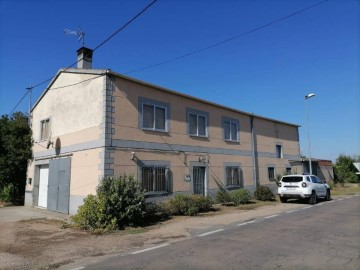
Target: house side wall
[76,114]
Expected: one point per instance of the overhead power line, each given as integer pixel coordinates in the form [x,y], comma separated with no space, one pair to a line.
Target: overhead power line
[97,47]
[229,39]
[125,25]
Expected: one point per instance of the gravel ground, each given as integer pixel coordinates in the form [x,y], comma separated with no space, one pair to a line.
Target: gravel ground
[43,244]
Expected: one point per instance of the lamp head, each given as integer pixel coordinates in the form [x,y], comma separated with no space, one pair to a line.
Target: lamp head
[309,96]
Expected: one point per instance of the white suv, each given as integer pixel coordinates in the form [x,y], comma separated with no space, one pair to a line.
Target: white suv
[303,187]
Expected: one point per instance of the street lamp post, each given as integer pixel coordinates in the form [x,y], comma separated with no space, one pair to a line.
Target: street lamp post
[307,118]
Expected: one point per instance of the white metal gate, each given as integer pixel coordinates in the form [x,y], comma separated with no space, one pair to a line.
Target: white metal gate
[43,186]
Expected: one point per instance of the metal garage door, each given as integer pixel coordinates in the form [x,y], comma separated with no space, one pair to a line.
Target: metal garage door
[43,186]
[59,185]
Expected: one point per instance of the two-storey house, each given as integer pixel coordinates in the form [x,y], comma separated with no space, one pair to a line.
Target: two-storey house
[91,123]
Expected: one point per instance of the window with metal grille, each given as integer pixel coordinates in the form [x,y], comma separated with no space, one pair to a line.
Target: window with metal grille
[154,179]
[44,129]
[154,117]
[271,173]
[233,176]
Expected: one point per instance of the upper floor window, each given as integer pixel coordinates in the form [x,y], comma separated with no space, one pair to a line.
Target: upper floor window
[279,153]
[197,123]
[231,129]
[44,129]
[154,115]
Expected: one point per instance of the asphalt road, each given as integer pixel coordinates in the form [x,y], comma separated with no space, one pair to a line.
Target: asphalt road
[324,236]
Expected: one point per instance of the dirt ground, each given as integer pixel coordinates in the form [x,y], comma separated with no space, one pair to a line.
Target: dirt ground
[44,244]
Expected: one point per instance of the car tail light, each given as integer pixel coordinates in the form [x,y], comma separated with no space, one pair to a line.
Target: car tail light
[303,184]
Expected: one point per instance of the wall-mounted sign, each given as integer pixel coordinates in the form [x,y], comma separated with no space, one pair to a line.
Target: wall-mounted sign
[187,177]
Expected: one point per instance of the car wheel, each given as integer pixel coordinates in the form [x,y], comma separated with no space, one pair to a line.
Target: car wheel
[283,200]
[313,198]
[328,195]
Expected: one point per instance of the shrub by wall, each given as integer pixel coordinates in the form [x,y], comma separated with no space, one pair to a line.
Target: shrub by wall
[119,202]
[8,193]
[240,196]
[188,205]
[223,197]
[235,197]
[264,193]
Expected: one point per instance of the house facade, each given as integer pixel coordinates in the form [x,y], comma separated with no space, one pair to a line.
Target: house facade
[91,123]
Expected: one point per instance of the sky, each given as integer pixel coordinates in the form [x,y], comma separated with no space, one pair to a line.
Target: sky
[266,72]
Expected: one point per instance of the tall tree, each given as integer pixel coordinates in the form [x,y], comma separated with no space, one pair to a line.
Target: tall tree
[345,171]
[15,151]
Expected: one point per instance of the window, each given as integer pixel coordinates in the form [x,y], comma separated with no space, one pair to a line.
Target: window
[231,129]
[315,180]
[153,115]
[288,170]
[233,176]
[279,153]
[197,123]
[44,129]
[271,173]
[154,179]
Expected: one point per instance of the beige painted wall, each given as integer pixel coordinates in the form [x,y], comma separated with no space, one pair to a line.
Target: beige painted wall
[70,109]
[268,133]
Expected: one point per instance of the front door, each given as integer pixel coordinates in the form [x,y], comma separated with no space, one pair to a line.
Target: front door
[199,180]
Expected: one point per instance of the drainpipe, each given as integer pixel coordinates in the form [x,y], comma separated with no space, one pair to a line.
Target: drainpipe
[253,151]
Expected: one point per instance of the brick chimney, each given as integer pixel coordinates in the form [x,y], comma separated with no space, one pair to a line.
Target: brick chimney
[84,56]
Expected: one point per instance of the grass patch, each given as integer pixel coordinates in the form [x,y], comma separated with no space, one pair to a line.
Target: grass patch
[256,204]
[347,189]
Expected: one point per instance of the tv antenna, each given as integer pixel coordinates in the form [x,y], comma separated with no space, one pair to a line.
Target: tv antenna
[80,34]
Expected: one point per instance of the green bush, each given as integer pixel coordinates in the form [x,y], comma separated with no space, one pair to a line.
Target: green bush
[240,196]
[235,197]
[8,193]
[188,205]
[119,202]
[264,193]
[223,197]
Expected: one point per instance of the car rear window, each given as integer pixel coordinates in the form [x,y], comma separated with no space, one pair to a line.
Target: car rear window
[289,179]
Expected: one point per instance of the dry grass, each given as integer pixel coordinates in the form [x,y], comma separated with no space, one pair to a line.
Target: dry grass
[347,189]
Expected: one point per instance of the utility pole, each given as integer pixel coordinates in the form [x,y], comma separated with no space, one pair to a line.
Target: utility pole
[30,97]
